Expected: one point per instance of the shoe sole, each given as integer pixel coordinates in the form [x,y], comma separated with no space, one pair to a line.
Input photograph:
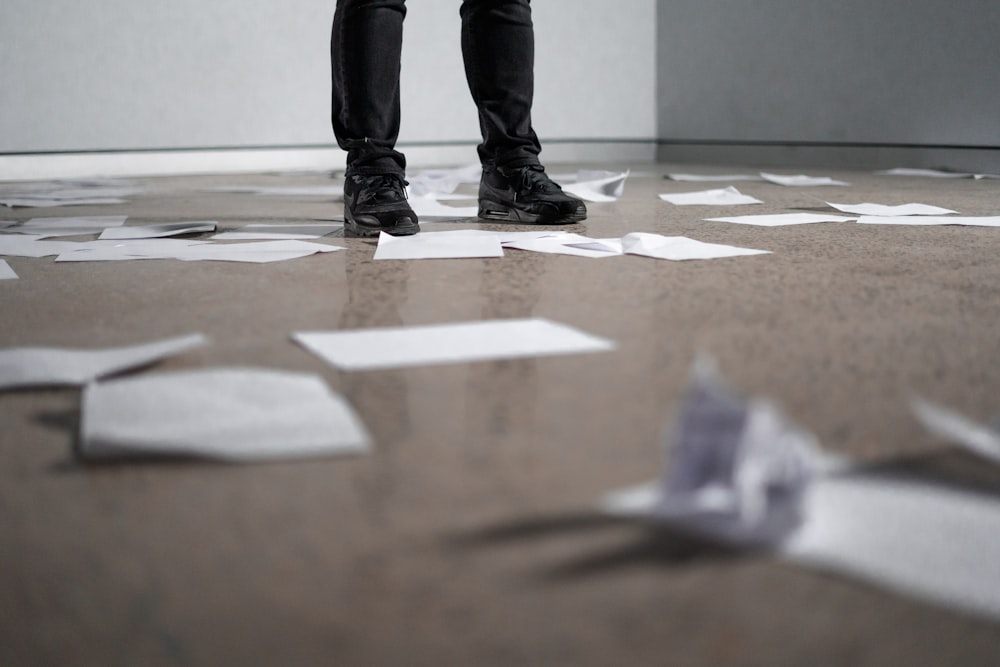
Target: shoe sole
[491,210]
[353,229]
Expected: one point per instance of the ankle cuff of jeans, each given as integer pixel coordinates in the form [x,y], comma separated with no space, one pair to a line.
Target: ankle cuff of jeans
[374,170]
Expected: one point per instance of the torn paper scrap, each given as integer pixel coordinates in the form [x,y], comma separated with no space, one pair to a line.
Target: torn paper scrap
[51,366]
[721,197]
[228,414]
[737,469]
[428,208]
[463,342]
[711,178]
[923,540]
[800,180]
[71,226]
[437,245]
[261,232]
[781,219]
[900,210]
[598,186]
[680,247]
[6,273]
[158,230]
[974,221]
[950,425]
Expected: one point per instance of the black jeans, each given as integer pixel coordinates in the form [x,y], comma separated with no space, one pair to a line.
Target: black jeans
[498,46]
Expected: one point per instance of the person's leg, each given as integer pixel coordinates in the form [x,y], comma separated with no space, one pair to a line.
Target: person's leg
[498,44]
[365,49]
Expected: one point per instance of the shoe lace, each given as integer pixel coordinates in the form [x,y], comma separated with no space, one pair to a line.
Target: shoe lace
[533,178]
[381,187]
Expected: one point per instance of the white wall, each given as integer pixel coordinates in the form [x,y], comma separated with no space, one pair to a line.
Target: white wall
[127,74]
[851,71]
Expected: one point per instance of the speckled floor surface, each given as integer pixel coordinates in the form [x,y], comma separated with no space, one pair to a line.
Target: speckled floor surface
[468,536]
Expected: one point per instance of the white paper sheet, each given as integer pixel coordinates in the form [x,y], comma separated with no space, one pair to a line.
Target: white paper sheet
[984,221]
[49,202]
[505,237]
[261,232]
[194,251]
[76,192]
[437,245]
[70,226]
[228,414]
[441,181]
[428,208]
[462,342]
[781,219]
[900,210]
[157,231]
[603,247]
[125,250]
[332,192]
[452,196]
[950,425]
[917,539]
[571,244]
[52,366]
[712,178]
[720,197]
[17,245]
[926,173]
[800,180]
[680,248]
[256,253]
[921,540]
[598,186]
[6,273]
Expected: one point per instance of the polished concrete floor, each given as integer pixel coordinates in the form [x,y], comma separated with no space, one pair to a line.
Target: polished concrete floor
[468,536]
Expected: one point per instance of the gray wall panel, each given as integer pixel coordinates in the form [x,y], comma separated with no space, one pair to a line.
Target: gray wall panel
[878,71]
[121,74]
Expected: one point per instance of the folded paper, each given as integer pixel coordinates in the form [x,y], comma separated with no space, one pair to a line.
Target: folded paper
[680,247]
[720,197]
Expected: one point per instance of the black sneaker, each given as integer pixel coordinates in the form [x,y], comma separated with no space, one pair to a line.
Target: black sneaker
[528,195]
[377,203]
